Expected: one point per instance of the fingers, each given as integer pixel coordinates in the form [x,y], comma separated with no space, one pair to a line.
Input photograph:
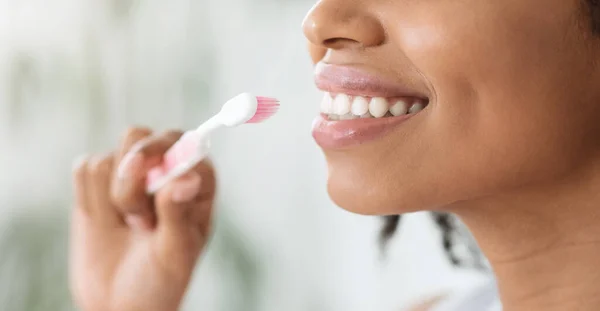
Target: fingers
[198,201]
[80,188]
[114,191]
[100,171]
[202,214]
[140,152]
[184,209]
[150,148]
[187,201]
[130,138]
[91,179]
[176,201]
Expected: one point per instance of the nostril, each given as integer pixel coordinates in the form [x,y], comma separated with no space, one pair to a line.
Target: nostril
[338,43]
[330,41]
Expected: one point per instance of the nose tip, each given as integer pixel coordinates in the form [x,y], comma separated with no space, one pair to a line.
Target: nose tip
[339,24]
[316,52]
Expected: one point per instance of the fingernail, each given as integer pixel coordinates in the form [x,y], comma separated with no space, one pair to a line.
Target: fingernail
[136,222]
[130,165]
[186,188]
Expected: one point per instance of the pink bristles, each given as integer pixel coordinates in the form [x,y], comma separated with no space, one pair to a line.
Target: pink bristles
[193,147]
[267,107]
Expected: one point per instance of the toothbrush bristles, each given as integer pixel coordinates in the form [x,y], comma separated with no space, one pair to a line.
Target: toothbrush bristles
[267,107]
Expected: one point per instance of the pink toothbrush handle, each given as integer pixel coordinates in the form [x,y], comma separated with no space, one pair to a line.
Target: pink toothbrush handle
[181,152]
[154,175]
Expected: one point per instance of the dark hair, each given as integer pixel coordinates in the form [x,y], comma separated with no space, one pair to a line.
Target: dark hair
[594,11]
[448,227]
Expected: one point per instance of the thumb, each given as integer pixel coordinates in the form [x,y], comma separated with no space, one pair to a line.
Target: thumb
[179,238]
[175,203]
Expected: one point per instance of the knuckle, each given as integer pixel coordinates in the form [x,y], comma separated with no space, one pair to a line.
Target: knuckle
[132,204]
[119,197]
[136,131]
[101,164]
[80,166]
[115,195]
[209,177]
[128,196]
[206,168]
[143,145]
[172,134]
[156,144]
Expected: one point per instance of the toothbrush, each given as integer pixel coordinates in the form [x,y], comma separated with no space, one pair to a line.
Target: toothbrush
[193,146]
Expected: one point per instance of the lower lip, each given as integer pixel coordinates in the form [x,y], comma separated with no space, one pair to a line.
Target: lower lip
[345,133]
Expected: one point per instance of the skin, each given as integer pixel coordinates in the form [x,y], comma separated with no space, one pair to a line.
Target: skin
[130,251]
[509,143]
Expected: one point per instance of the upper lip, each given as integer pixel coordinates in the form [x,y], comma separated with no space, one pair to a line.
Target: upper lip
[353,81]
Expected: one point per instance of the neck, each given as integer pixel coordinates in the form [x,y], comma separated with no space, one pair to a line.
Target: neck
[543,244]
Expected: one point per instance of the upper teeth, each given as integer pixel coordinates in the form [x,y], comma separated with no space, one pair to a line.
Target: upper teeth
[343,106]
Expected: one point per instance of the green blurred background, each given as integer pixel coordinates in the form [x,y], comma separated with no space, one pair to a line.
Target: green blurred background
[75,73]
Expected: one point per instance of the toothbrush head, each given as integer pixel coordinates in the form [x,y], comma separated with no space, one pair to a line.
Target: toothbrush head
[267,107]
[247,108]
[193,146]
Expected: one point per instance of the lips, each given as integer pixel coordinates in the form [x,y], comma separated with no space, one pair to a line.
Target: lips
[353,81]
[359,107]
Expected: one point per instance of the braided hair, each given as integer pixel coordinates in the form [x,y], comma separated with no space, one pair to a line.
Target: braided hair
[448,226]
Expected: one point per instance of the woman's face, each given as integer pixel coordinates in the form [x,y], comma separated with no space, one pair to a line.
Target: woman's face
[511,91]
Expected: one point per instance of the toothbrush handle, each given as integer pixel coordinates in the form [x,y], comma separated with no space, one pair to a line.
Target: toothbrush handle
[186,153]
[209,126]
[183,156]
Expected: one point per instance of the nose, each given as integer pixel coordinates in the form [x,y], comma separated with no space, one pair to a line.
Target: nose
[342,24]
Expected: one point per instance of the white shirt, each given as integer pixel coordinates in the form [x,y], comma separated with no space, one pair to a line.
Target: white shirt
[481,298]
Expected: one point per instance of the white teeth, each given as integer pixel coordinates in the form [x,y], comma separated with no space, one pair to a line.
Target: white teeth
[345,107]
[416,107]
[327,104]
[378,107]
[399,108]
[360,106]
[341,104]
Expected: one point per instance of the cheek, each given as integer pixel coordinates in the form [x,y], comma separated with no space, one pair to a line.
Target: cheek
[511,105]
[503,116]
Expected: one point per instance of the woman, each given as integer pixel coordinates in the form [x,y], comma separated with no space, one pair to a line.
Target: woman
[491,111]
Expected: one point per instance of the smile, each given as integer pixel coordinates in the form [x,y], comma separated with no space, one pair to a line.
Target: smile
[358,107]
[347,107]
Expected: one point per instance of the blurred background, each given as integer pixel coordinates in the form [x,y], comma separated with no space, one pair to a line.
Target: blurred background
[75,73]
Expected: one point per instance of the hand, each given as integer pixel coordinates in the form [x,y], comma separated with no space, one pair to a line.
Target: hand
[131,251]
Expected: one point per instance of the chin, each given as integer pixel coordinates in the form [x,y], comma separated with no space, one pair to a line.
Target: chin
[361,190]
